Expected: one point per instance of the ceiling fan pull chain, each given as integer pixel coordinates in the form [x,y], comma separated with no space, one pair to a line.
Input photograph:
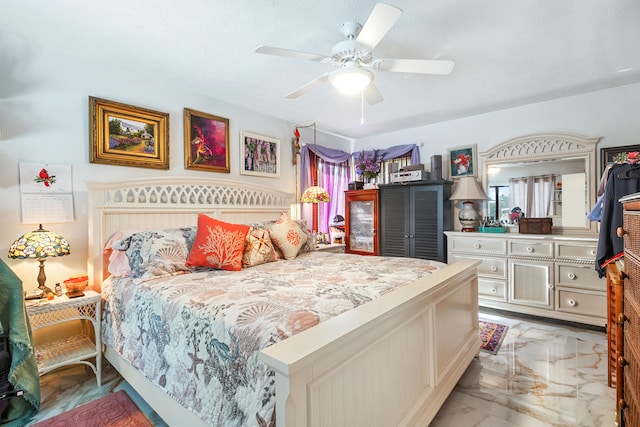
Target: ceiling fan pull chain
[362,108]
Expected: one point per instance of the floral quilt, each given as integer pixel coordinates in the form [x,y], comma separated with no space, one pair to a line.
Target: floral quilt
[198,335]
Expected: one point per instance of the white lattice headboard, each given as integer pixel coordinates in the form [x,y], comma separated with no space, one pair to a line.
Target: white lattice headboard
[173,202]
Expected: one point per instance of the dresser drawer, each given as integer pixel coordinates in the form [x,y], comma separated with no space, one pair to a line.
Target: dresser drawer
[489,267]
[577,250]
[582,303]
[478,245]
[579,276]
[531,248]
[492,289]
[632,323]
[632,232]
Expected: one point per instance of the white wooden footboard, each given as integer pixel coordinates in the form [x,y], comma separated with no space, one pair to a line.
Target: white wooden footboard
[390,362]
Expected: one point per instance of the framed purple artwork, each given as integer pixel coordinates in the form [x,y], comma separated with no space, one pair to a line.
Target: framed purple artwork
[206,142]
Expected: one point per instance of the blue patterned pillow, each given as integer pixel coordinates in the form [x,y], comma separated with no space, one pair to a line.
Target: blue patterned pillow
[157,253]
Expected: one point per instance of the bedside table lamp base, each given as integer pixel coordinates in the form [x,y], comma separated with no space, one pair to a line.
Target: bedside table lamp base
[42,278]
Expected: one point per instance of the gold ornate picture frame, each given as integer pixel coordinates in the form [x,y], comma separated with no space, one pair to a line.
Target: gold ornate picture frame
[124,135]
[206,142]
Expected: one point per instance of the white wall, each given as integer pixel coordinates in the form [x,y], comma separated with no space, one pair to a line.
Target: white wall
[44,118]
[610,114]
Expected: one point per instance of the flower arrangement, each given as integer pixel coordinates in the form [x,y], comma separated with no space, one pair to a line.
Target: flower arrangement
[461,162]
[368,166]
[632,157]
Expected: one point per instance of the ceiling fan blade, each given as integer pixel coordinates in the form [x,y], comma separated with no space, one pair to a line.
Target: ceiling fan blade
[269,50]
[372,95]
[382,18]
[308,86]
[421,66]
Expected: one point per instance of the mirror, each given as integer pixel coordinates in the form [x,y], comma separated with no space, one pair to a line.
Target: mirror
[550,175]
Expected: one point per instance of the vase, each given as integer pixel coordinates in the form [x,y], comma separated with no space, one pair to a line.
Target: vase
[370,183]
[468,217]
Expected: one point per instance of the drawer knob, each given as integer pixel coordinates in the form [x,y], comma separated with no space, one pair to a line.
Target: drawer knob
[494,291]
[622,362]
[622,318]
[572,302]
[622,275]
[594,252]
[406,236]
[550,285]
[494,268]
[571,276]
[622,405]
[477,246]
[529,249]
[620,231]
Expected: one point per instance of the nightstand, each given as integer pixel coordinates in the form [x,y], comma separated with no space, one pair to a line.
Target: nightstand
[72,349]
[333,247]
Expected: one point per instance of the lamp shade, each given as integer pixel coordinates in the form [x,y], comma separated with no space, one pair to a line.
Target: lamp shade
[39,244]
[467,188]
[314,194]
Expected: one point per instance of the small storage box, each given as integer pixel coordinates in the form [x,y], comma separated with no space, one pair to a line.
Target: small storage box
[535,225]
[356,185]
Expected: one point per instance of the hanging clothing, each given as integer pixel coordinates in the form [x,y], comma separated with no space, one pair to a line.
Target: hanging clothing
[621,182]
[23,374]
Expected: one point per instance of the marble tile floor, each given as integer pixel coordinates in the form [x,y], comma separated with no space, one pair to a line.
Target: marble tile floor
[545,374]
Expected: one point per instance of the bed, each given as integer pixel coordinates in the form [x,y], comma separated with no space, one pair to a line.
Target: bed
[391,360]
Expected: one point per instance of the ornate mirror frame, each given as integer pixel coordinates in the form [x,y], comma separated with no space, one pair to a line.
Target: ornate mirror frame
[540,147]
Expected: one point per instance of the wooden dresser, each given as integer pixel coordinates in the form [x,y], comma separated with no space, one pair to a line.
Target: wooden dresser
[628,326]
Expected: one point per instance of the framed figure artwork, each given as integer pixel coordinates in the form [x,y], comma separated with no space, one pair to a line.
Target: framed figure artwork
[463,161]
[125,135]
[206,142]
[260,155]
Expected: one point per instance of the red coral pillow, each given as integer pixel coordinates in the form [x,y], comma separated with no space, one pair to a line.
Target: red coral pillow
[218,244]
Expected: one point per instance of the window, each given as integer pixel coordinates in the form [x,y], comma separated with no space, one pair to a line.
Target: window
[386,167]
[499,203]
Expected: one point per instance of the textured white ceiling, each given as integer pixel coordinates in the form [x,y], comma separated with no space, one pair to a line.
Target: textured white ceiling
[507,53]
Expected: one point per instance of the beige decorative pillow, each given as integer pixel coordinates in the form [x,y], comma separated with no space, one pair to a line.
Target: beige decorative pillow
[258,248]
[287,236]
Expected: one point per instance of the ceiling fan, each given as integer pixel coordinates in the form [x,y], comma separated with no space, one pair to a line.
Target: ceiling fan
[354,56]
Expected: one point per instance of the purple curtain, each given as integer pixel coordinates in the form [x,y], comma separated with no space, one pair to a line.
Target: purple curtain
[334,178]
[393,152]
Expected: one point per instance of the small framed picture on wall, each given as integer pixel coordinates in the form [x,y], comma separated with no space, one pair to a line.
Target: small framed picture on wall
[462,161]
[617,154]
[259,155]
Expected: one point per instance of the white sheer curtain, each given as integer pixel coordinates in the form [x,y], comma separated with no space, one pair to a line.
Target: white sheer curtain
[533,195]
[521,192]
[542,193]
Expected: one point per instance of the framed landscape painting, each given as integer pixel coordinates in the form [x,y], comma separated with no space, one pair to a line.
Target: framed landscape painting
[260,155]
[462,161]
[206,142]
[125,135]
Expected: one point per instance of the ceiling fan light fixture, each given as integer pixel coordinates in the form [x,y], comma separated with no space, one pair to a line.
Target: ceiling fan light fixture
[351,80]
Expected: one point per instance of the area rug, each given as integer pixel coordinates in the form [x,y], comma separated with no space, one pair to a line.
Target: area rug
[113,410]
[491,335]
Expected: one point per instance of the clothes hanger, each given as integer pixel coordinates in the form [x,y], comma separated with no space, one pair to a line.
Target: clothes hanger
[630,173]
